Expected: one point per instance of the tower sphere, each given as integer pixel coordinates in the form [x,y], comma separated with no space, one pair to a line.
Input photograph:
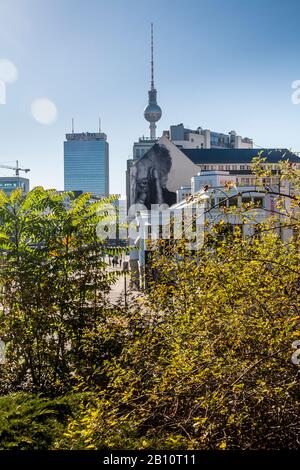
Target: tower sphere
[152,112]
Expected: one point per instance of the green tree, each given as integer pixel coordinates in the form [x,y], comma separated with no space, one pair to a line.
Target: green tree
[54,284]
[206,361]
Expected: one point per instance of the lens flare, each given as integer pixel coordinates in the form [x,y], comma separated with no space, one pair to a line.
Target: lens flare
[44,111]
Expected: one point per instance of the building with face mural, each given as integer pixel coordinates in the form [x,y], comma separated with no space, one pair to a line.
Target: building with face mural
[149,178]
[166,170]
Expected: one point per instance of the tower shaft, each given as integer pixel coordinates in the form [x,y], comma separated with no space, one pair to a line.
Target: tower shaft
[152,131]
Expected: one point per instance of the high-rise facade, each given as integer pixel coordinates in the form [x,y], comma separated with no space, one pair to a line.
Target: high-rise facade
[86,163]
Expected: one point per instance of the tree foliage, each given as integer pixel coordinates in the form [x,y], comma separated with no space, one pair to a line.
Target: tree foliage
[202,360]
[206,362]
[54,285]
[33,422]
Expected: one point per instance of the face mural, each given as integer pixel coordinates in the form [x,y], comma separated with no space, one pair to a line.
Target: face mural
[149,177]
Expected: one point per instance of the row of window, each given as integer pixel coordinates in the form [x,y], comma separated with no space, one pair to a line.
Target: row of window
[139,152]
[242,166]
[259,201]
[253,181]
[225,167]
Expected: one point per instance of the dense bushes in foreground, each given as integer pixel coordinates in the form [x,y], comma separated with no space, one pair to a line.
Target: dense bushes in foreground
[202,361]
[210,366]
[31,422]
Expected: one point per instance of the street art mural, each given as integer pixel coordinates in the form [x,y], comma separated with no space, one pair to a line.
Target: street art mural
[149,178]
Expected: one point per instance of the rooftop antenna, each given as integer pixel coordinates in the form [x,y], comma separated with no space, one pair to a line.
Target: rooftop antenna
[72,125]
[99,125]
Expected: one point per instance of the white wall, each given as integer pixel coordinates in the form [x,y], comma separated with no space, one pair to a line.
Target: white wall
[182,168]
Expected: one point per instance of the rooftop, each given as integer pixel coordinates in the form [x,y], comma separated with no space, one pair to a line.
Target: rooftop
[86,136]
[202,156]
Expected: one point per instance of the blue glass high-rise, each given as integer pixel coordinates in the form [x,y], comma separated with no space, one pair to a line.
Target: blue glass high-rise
[86,163]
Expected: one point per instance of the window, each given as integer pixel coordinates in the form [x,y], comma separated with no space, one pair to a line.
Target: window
[233,202]
[160,231]
[246,199]
[222,202]
[266,180]
[258,201]
[211,202]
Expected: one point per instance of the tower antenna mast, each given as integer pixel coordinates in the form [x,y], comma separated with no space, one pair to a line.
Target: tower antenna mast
[152,61]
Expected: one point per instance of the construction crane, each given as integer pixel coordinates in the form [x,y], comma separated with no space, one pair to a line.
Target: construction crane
[16,168]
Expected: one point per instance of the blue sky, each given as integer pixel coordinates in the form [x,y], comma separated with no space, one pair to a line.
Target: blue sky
[219,64]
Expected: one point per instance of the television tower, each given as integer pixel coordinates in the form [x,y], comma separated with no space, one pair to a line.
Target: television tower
[152,112]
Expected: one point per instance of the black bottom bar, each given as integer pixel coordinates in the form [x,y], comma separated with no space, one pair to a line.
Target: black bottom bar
[138,459]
